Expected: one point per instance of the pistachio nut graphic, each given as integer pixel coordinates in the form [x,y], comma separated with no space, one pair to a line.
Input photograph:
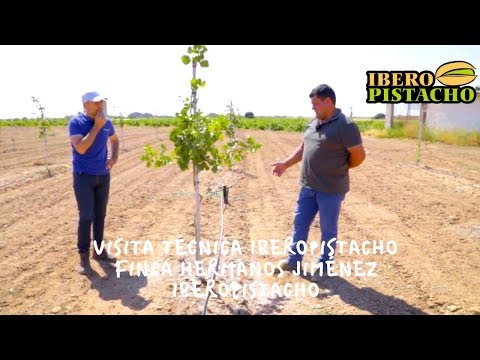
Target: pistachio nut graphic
[456,73]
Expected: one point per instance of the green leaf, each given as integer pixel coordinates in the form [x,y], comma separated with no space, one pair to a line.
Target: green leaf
[186,59]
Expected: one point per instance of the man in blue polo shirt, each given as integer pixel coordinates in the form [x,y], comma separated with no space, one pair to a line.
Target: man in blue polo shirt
[331,145]
[89,135]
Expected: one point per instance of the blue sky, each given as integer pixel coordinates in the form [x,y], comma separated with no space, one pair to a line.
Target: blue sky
[265,79]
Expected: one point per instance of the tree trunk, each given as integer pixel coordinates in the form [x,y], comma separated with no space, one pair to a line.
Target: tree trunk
[123,139]
[223,201]
[196,184]
[196,181]
[423,113]
[46,151]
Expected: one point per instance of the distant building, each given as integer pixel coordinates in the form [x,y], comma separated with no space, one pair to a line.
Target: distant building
[454,116]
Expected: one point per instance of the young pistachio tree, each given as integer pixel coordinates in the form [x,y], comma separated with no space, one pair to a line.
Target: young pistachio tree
[43,127]
[421,124]
[122,138]
[121,124]
[195,138]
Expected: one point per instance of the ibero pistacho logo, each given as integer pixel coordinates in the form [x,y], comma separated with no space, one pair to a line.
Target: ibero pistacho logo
[418,87]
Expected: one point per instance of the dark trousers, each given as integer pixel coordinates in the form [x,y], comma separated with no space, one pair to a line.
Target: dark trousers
[91,192]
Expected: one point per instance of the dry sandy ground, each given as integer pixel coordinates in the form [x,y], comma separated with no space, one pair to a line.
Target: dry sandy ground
[430,212]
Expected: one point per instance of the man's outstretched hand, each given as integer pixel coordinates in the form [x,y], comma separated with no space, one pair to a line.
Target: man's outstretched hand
[278,168]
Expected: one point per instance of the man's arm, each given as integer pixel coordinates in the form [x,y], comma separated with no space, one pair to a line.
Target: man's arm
[82,143]
[357,156]
[115,146]
[280,167]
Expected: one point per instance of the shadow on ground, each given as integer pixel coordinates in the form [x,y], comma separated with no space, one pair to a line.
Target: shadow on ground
[125,288]
[366,298]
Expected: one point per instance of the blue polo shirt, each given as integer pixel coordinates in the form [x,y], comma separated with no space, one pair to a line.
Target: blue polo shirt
[94,160]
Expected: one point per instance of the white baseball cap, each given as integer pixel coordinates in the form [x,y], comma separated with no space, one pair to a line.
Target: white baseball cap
[92,96]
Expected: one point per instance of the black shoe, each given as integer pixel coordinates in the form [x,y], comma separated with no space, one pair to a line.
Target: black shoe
[104,256]
[84,266]
[285,266]
[317,276]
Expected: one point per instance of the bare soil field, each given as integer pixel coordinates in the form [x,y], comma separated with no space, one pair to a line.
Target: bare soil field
[431,213]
